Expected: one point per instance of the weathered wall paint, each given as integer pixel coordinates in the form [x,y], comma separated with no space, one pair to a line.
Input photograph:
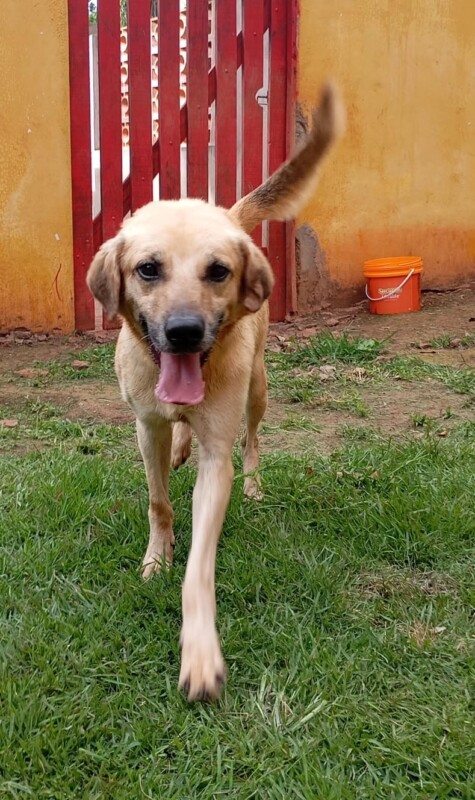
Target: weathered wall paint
[402,181]
[36,278]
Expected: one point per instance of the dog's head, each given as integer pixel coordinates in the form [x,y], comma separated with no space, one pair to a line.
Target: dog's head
[180,272]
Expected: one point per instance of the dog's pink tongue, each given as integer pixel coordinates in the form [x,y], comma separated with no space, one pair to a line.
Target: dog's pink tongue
[180,379]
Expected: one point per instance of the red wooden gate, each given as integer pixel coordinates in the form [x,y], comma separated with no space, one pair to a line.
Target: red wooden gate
[239,73]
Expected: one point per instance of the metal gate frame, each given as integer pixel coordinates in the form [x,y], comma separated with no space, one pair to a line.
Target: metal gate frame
[253,64]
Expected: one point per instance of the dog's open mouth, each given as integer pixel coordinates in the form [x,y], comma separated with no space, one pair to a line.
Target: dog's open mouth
[181,380]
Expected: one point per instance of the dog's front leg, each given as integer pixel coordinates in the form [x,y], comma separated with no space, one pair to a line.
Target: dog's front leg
[155,438]
[202,666]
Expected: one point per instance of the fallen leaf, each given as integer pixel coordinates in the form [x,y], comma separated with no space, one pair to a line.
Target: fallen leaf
[442,434]
[375,474]
[339,474]
[456,342]
[8,423]
[80,364]
[440,629]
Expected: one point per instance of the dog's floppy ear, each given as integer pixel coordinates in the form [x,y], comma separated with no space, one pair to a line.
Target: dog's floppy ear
[257,277]
[104,277]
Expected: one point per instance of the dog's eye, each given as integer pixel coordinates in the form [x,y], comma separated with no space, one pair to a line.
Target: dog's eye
[149,270]
[217,272]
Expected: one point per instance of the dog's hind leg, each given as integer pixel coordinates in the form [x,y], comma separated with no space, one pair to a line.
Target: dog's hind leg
[181,444]
[154,440]
[255,410]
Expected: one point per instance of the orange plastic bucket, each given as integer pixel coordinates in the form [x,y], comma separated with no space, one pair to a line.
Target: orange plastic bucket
[393,285]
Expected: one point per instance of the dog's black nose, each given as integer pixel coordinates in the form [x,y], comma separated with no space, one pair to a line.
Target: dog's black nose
[185,331]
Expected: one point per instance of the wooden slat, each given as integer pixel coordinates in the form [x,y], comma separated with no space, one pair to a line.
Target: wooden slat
[81,161]
[110,121]
[277,147]
[169,97]
[140,102]
[226,102]
[110,125]
[291,101]
[197,99]
[267,15]
[253,29]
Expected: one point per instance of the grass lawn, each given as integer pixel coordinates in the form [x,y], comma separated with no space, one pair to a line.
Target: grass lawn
[345,604]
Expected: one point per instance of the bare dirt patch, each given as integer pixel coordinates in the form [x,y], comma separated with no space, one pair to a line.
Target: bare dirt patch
[92,400]
[391,581]
[451,312]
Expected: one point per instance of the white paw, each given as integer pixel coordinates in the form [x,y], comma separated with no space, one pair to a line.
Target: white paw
[203,671]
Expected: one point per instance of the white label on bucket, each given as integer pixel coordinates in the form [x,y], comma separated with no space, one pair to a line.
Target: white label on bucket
[393,294]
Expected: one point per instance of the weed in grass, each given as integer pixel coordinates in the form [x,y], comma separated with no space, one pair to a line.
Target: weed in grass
[421,421]
[448,413]
[452,341]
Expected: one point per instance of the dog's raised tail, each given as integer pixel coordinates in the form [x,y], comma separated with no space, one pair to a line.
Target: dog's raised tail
[285,192]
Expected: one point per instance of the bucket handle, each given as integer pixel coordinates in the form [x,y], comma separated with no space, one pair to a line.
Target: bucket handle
[393,291]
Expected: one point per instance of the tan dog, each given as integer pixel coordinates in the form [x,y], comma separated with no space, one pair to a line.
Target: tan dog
[191,287]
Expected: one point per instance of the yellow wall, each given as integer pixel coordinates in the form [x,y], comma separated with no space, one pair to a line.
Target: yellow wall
[403,180]
[36,274]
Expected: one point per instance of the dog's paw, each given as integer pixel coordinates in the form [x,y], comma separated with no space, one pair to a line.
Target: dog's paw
[157,557]
[203,671]
[252,488]
[181,444]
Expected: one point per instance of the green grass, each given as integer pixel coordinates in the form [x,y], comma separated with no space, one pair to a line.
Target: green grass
[326,348]
[448,340]
[345,606]
[461,381]
[291,423]
[99,357]
[294,375]
[298,376]
[44,425]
